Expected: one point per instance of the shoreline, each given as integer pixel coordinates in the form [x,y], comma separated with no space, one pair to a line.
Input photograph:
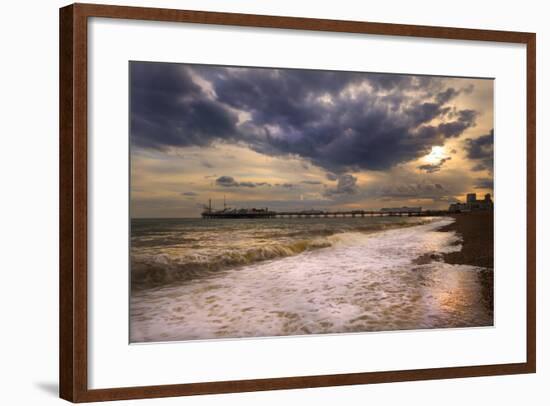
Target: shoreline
[477,232]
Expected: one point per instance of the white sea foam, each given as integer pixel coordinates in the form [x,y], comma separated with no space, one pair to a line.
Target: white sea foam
[362,282]
[166,251]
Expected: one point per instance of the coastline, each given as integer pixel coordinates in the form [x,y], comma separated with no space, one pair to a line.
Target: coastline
[477,232]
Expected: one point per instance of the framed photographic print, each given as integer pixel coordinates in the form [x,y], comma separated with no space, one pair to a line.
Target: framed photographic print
[256,202]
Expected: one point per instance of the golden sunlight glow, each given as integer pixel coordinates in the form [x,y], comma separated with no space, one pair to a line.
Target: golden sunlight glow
[436,155]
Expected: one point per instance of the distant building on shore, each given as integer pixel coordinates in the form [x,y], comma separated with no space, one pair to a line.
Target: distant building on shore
[472,204]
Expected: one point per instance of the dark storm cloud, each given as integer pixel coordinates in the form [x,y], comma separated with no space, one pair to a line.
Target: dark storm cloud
[169,109]
[387,81]
[361,132]
[425,112]
[431,168]
[347,185]
[465,120]
[229,181]
[447,95]
[336,120]
[481,150]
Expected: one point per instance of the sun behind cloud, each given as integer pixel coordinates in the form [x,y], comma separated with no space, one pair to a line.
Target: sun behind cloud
[437,154]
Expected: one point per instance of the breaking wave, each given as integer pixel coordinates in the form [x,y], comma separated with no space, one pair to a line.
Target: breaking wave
[184,258]
[162,269]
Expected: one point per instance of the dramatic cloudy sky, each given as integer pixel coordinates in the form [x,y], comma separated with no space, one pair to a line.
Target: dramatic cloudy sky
[303,139]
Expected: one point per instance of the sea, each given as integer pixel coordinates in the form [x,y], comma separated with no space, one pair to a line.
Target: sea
[194,279]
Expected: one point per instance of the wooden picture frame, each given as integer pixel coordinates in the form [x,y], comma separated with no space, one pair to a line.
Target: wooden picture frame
[74,201]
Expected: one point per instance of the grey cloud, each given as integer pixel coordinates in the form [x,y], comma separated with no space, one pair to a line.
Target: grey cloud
[286,185]
[359,133]
[484,183]
[388,82]
[169,109]
[347,184]
[331,176]
[423,190]
[229,181]
[289,113]
[481,150]
[479,167]
[311,182]
[425,112]
[465,120]
[431,168]
[447,95]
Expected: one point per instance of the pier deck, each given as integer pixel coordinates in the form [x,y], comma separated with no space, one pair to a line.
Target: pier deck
[321,214]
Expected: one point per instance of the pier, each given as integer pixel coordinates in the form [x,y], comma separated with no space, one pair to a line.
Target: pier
[267,214]
[350,213]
